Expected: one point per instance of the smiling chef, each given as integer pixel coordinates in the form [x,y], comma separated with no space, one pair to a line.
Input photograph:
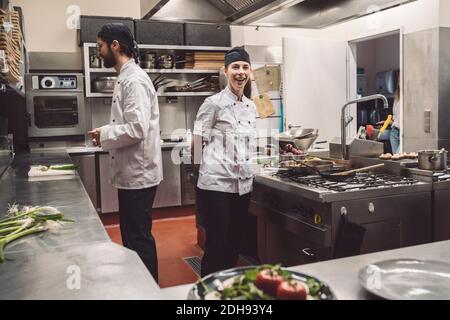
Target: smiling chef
[224,135]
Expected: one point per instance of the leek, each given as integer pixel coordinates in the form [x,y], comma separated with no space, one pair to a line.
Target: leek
[26,221]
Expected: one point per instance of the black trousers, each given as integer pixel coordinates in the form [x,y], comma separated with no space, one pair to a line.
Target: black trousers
[135,212]
[225,219]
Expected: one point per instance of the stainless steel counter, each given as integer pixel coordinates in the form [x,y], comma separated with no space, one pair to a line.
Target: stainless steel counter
[165,145]
[342,274]
[37,266]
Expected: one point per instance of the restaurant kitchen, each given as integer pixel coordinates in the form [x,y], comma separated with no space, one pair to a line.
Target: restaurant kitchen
[326,76]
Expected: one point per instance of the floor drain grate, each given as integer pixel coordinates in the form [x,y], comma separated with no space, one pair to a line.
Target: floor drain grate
[194,263]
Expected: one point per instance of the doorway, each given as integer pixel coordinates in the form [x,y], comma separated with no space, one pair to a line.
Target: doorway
[377,67]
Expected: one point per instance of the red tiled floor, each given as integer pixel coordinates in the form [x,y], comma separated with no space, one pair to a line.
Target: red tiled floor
[160,213]
[176,238]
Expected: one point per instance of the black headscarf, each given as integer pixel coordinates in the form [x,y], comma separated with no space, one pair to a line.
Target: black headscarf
[120,32]
[236,54]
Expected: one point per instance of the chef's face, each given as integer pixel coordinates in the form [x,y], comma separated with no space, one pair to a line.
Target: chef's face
[238,74]
[106,52]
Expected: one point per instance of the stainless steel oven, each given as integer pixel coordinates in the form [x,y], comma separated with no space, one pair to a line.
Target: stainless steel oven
[55,104]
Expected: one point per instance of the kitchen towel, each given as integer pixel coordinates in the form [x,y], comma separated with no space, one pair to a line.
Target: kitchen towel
[264,105]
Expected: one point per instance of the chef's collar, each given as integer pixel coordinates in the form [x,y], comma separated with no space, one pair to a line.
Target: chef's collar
[126,65]
[232,96]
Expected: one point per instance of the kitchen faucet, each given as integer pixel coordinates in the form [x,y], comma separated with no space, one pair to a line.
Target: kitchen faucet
[345,121]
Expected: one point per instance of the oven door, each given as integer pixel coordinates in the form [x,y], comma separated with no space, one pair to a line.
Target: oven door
[56,114]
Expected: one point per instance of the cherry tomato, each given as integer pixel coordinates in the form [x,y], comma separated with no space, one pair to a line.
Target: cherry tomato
[268,281]
[292,290]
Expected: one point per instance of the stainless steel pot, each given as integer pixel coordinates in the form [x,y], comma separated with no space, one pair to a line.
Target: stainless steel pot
[104,84]
[166,61]
[95,61]
[433,159]
[147,64]
[148,56]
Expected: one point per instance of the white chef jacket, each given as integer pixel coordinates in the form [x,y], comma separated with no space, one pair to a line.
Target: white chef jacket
[132,136]
[228,126]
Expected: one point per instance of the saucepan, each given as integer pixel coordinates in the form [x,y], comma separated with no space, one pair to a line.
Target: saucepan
[433,159]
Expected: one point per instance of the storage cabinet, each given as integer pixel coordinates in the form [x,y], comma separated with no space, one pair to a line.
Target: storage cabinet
[179,76]
[196,34]
[168,193]
[108,194]
[157,32]
[88,176]
[91,25]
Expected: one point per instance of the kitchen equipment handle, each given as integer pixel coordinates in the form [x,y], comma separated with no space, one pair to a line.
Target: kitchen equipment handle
[433,158]
[307,251]
[358,170]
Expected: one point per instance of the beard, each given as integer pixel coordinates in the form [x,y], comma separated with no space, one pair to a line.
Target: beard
[109,60]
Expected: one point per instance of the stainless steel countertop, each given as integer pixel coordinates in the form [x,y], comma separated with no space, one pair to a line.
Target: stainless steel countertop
[342,274]
[37,265]
[165,145]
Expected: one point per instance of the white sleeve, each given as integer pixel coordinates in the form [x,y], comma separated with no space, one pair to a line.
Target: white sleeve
[205,120]
[136,117]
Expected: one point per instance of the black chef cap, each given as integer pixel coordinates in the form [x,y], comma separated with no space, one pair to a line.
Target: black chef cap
[236,54]
[120,32]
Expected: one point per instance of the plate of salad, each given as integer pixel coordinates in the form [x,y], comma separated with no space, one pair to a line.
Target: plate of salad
[266,282]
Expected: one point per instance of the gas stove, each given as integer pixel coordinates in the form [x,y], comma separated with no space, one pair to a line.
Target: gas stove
[361,186]
[304,219]
[361,181]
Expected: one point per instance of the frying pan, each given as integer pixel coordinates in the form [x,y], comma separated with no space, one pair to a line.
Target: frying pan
[339,174]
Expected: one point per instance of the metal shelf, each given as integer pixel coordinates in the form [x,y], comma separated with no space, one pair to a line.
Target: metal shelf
[186,94]
[166,94]
[189,48]
[89,71]
[101,70]
[104,70]
[180,71]
[99,95]
[169,47]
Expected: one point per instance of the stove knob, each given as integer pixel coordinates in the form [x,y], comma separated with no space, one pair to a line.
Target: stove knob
[317,218]
[371,208]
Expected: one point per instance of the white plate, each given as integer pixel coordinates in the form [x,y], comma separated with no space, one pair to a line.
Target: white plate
[407,279]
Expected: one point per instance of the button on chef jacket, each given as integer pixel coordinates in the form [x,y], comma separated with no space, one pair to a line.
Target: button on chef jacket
[132,136]
[228,126]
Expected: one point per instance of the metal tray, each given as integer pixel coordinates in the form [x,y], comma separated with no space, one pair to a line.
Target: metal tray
[407,279]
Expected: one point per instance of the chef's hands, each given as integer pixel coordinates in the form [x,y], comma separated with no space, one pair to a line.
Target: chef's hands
[95,136]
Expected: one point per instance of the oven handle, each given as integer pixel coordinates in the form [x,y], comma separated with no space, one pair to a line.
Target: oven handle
[307,251]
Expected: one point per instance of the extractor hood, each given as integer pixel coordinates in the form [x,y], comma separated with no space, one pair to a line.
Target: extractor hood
[247,11]
[314,14]
[318,14]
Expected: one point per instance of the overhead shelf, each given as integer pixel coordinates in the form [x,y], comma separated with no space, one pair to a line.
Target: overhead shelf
[165,94]
[189,48]
[186,94]
[196,71]
[91,73]
[170,47]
